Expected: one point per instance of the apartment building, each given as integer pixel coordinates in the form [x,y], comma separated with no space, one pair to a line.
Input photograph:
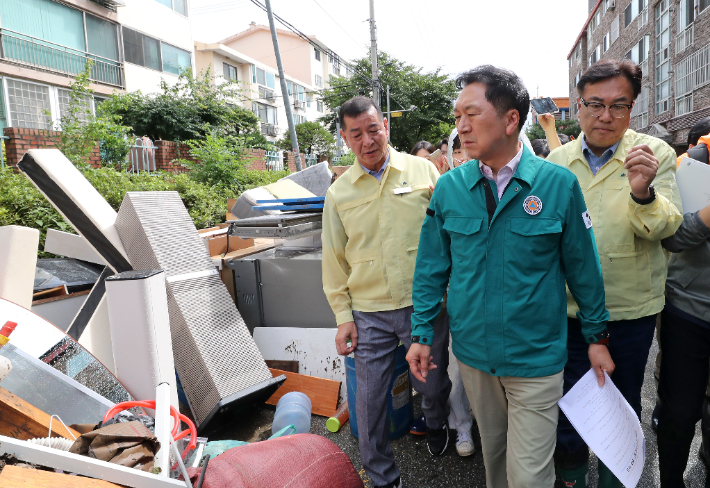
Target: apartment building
[249,58]
[45,43]
[670,40]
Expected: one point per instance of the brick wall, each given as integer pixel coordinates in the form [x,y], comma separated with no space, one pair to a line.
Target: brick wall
[20,140]
[166,152]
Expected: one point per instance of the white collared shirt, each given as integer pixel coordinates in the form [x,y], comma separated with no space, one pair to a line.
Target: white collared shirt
[504,174]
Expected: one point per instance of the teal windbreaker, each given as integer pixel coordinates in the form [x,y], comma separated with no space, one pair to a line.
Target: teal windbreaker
[507,299]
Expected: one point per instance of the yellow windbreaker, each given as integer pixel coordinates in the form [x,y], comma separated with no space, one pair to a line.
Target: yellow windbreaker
[628,235]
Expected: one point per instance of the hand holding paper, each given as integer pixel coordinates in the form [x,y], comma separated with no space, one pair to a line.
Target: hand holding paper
[609,426]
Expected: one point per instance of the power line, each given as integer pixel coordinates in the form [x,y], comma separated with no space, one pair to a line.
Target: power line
[340,26]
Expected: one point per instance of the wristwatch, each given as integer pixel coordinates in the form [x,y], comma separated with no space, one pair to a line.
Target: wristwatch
[600,338]
[648,200]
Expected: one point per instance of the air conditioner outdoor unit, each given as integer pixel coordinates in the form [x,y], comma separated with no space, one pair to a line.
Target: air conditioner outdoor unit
[299,103]
[610,4]
[272,130]
[270,96]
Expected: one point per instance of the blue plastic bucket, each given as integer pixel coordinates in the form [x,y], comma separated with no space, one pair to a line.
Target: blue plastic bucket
[399,395]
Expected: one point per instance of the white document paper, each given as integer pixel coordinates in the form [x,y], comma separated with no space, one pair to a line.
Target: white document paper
[608,425]
[693,179]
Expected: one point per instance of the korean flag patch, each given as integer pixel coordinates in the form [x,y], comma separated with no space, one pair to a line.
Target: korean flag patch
[587,219]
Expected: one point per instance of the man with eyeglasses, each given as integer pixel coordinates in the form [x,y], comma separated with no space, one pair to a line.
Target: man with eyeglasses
[628,181]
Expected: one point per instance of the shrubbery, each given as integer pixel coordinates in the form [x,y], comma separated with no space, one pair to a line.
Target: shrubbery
[22,204]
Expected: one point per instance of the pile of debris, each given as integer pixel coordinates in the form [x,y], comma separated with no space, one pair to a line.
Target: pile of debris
[152,315]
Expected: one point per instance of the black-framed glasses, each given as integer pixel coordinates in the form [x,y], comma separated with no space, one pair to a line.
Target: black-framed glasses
[617,110]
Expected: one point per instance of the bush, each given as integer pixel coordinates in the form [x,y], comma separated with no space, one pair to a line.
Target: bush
[569,127]
[346,160]
[22,204]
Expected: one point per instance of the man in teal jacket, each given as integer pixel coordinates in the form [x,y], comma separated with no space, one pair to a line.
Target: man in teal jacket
[504,232]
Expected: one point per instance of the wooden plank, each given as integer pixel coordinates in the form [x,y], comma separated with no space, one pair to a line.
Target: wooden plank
[59,291]
[20,420]
[83,465]
[290,366]
[14,477]
[322,393]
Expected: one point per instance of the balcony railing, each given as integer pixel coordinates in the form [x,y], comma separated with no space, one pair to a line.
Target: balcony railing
[685,39]
[30,51]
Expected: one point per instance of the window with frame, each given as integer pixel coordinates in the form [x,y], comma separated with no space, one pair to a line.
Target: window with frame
[663,62]
[319,106]
[633,10]
[64,101]
[691,73]
[266,113]
[300,93]
[29,104]
[141,49]
[614,29]
[316,53]
[263,77]
[179,6]
[289,87]
[703,4]
[230,72]
[175,60]
[319,81]
[606,42]
[639,53]
[640,108]
[298,119]
[596,55]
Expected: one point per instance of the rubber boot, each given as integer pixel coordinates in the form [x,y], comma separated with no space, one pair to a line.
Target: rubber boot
[574,478]
[607,478]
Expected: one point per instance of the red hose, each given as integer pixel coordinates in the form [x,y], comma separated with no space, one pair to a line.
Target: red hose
[177,417]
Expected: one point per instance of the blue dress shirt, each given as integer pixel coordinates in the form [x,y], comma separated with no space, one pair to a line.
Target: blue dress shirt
[595,163]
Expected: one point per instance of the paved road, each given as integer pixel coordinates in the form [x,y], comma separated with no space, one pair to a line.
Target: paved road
[419,469]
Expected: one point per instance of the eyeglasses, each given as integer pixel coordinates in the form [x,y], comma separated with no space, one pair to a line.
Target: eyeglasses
[617,110]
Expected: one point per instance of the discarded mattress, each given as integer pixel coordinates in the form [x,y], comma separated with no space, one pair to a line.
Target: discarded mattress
[283,188]
[294,461]
[218,363]
[315,179]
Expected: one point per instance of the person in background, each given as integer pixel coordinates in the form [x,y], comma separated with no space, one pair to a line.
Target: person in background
[540,147]
[628,181]
[443,145]
[423,149]
[372,218]
[685,335]
[504,232]
[563,138]
[458,153]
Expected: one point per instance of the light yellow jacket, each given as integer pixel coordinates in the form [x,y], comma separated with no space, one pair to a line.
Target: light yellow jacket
[371,235]
[628,235]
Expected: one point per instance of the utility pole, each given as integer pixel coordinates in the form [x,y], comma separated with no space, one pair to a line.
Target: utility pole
[389,122]
[284,91]
[373,55]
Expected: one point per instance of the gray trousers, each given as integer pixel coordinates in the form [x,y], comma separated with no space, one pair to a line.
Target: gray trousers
[378,335]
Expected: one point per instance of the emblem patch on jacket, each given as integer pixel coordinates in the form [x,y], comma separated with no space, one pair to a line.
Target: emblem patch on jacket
[587,219]
[532,205]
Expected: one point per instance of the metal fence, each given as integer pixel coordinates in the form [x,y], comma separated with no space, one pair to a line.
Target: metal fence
[27,50]
[142,156]
[310,160]
[274,161]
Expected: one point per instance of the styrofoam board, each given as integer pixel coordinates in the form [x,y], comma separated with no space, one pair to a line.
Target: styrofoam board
[71,246]
[314,349]
[96,337]
[18,259]
[83,465]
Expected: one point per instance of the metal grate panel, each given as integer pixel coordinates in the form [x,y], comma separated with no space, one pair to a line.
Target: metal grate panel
[215,355]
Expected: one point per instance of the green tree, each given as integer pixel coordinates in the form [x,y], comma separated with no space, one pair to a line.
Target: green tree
[432,93]
[313,138]
[81,130]
[183,111]
[569,127]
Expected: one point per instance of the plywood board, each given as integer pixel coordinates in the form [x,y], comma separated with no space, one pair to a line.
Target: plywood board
[14,477]
[314,349]
[322,393]
[290,366]
[20,420]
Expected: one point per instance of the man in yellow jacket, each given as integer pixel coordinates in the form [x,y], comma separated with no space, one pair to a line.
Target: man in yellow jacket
[372,218]
[628,181]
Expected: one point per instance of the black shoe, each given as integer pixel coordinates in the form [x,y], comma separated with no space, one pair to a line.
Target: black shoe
[437,440]
[395,484]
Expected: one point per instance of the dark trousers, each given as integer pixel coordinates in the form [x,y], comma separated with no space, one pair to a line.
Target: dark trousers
[629,344]
[684,377]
